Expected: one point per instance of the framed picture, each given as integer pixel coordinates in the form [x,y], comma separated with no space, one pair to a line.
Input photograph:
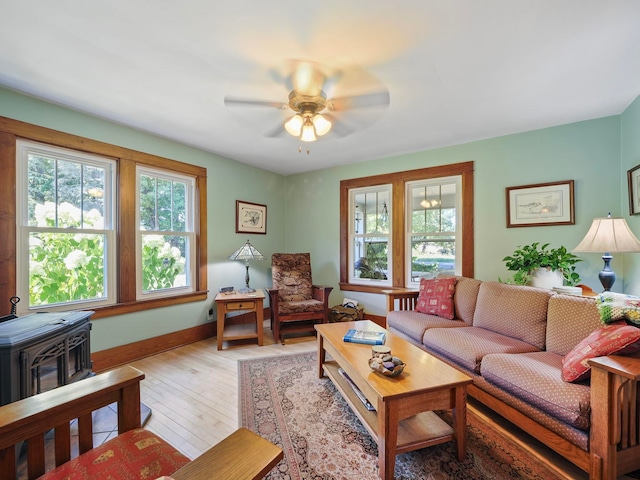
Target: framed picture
[251,217]
[541,204]
[633,177]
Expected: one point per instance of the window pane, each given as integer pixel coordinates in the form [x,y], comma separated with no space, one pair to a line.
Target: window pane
[41,189]
[373,261]
[164,261]
[431,255]
[94,186]
[179,207]
[147,203]
[66,267]
[164,205]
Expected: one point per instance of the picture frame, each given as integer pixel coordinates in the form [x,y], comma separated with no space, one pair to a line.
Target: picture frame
[251,218]
[633,179]
[541,204]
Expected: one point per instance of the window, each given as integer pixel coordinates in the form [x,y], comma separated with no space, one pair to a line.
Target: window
[76,215]
[406,225]
[432,235]
[165,234]
[371,222]
[66,241]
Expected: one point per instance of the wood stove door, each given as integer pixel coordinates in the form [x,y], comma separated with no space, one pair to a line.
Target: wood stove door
[57,361]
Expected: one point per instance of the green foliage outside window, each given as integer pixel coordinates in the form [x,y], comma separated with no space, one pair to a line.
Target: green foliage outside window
[66,267]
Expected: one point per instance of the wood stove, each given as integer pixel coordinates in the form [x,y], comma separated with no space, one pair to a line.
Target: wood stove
[43,351]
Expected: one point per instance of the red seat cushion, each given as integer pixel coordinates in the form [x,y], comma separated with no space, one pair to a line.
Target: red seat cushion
[136,454]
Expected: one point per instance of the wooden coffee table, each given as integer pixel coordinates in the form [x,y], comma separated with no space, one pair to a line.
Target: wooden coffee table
[404,419]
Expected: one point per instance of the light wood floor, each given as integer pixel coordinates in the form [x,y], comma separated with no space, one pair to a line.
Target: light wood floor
[193,390]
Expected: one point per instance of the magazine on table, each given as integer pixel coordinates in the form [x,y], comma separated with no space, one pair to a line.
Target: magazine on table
[367,404]
[364,336]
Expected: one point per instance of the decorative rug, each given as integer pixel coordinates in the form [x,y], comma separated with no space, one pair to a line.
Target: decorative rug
[283,400]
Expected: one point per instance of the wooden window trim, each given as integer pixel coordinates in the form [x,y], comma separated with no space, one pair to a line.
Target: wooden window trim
[12,130]
[398,181]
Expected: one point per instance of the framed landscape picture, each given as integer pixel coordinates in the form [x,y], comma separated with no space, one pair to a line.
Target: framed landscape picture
[633,177]
[251,217]
[540,204]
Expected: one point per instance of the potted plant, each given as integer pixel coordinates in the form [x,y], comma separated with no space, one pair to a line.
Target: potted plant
[528,260]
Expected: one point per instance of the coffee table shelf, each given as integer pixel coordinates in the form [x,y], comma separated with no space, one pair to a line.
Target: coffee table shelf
[419,431]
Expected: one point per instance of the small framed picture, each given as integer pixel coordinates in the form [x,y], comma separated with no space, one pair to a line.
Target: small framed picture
[540,204]
[633,177]
[251,217]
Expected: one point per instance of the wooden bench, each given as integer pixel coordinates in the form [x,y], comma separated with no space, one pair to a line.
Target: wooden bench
[29,419]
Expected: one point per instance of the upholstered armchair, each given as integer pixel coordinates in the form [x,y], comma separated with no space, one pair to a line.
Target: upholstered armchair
[296,304]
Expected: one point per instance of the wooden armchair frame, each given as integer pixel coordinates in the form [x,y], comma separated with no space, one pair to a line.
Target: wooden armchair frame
[298,322]
[614,437]
[29,419]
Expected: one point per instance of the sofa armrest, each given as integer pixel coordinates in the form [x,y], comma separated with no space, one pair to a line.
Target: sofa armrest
[406,299]
[30,418]
[229,459]
[614,436]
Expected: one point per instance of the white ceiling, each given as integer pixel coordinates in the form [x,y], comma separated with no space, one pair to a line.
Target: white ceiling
[456,70]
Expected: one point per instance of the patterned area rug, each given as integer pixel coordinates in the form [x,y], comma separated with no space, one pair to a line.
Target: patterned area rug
[282,399]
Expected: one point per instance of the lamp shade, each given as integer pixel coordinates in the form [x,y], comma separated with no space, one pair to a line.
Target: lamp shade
[611,235]
[246,252]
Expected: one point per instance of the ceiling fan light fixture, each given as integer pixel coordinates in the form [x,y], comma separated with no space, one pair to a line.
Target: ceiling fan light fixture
[294,125]
[308,132]
[321,124]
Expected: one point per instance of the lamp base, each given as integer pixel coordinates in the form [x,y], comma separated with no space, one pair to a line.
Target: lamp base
[607,276]
[247,289]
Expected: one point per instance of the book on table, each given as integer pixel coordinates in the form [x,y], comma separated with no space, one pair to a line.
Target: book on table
[367,404]
[364,336]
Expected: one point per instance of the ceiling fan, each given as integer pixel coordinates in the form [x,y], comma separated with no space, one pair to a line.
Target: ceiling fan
[314,114]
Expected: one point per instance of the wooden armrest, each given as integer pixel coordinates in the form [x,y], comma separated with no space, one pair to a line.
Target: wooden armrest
[406,298]
[628,367]
[30,418]
[243,455]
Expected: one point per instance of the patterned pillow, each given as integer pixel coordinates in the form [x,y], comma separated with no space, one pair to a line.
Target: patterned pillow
[614,338]
[617,306]
[436,297]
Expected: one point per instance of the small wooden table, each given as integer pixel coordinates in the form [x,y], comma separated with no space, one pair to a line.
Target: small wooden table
[404,419]
[237,302]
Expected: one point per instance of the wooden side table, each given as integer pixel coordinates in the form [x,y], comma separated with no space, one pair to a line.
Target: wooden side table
[237,302]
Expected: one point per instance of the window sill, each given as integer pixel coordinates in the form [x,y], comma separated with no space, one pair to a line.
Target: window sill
[353,287]
[139,306]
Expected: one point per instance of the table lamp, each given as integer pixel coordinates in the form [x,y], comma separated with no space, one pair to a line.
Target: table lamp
[608,235]
[246,252]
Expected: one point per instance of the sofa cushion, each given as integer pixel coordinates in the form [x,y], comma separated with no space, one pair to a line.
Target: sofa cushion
[413,324]
[436,296]
[466,346]
[535,378]
[135,454]
[569,320]
[513,310]
[618,306]
[608,339]
[465,298]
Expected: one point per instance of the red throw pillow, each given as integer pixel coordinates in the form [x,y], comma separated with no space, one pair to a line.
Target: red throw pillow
[615,338]
[436,296]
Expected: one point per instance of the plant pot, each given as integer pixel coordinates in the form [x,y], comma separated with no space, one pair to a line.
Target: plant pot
[545,278]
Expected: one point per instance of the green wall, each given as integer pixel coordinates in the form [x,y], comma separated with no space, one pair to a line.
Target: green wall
[303,209]
[227,181]
[579,152]
[630,154]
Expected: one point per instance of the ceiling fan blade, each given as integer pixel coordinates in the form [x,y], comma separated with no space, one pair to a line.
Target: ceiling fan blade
[233,101]
[359,101]
[277,131]
[338,127]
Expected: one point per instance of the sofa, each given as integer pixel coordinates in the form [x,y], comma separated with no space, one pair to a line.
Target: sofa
[135,453]
[535,359]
